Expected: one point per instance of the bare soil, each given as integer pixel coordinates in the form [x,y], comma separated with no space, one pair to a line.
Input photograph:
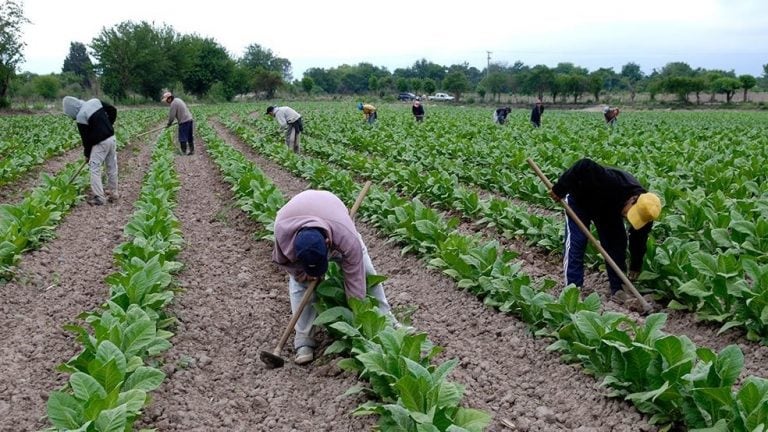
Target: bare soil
[233,304]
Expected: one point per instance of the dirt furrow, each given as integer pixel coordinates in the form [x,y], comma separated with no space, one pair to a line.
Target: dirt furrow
[56,283]
[506,371]
[234,304]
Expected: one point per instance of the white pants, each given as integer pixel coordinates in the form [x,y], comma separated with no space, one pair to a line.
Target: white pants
[304,328]
[104,152]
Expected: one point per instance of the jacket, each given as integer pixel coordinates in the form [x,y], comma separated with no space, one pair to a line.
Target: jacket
[95,119]
[285,116]
[603,192]
[321,209]
[179,112]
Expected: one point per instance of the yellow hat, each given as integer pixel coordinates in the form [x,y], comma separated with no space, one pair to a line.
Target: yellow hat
[646,209]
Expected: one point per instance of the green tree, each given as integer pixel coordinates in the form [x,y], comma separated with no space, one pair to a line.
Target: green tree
[595,82]
[575,85]
[457,83]
[403,84]
[480,89]
[307,83]
[430,86]
[539,80]
[417,84]
[679,85]
[47,86]
[747,82]
[209,63]
[11,45]
[79,63]
[632,76]
[137,57]
[496,84]
[257,57]
[727,85]
[326,80]
[267,82]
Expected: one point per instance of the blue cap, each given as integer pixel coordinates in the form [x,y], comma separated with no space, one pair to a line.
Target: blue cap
[359,105]
[311,251]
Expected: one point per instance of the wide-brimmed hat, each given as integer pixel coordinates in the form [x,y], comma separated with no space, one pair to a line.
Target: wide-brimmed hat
[646,209]
[166,96]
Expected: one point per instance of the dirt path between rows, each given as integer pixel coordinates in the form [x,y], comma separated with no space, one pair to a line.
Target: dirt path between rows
[233,306]
[506,371]
[55,284]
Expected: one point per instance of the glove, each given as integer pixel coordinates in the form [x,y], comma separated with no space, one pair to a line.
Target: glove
[554,196]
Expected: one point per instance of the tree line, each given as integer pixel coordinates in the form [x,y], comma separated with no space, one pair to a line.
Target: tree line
[140,59]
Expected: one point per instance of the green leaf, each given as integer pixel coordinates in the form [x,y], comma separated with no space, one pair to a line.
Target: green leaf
[144,378]
[472,420]
[112,420]
[134,401]
[85,386]
[64,411]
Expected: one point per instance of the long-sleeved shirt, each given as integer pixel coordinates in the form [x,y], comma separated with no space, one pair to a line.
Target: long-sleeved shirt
[324,210]
[603,192]
[179,112]
[285,115]
[368,109]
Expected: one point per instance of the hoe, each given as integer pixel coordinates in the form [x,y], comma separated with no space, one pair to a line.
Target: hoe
[273,359]
[627,284]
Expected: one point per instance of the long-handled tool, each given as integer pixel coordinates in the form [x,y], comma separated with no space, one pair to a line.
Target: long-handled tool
[627,283]
[273,359]
[153,130]
[79,170]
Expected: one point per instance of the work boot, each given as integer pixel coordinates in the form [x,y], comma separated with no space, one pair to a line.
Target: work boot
[112,197]
[95,201]
[304,355]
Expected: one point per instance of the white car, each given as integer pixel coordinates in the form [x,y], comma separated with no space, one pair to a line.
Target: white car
[441,97]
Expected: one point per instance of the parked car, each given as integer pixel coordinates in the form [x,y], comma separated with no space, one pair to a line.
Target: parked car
[405,96]
[441,97]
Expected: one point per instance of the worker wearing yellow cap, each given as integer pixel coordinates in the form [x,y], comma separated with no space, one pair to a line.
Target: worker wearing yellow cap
[605,196]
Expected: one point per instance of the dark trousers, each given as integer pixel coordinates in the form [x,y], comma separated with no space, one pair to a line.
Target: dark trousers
[186,136]
[613,238]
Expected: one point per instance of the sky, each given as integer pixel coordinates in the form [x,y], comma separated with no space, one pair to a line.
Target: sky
[711,34]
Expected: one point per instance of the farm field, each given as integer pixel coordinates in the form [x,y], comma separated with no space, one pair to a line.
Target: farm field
[465,233]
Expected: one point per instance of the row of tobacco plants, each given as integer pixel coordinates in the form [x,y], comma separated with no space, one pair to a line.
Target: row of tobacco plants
[709,251]
[412,393]
[27,224]
[110,378]
[666,376]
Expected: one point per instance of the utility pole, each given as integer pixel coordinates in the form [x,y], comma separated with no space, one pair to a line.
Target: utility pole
[488,68]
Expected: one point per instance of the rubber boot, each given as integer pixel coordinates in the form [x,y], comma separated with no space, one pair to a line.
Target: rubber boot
[183,148]
[191,148]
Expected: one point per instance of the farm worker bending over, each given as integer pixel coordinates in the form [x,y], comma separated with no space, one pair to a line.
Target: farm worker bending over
[313,226]
[369,111]
[536,112]
[500,115]
[605,196]
[418,110]
[611,115]
[290,122]
[180,113]
[95,120]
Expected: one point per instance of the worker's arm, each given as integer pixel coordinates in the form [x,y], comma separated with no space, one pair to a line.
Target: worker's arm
[638,244]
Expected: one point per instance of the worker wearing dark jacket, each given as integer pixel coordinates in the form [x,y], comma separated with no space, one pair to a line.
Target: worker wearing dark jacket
[418,110]
[95,119]
[536,112]
[605,196]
